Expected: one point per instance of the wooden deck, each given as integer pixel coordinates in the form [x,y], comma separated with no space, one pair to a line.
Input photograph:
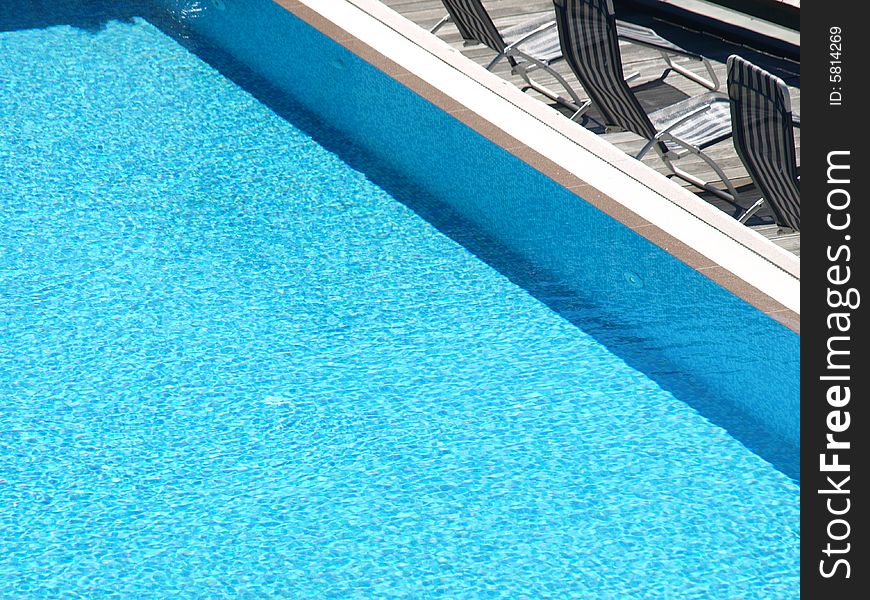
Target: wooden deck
[650,86]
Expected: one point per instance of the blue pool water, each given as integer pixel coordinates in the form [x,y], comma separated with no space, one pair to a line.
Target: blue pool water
[232,365]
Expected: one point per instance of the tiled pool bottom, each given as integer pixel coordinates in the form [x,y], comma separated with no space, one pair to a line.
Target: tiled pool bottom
[232,366]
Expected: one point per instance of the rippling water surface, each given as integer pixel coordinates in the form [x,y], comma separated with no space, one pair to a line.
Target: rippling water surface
[233,366]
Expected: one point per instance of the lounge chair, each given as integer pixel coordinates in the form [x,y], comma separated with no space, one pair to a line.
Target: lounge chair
[531,45]
[590,45]
[535,44]
[764,138]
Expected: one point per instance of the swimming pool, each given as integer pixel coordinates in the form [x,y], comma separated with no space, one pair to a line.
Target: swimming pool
[238,362]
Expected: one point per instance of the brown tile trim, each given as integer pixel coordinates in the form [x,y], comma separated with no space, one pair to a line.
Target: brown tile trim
[315,19]
[569,180]
[609,206]
[544,165]
[423,89]
[787,318]
[374,58]
[679,249]
[744,290]
[482,126]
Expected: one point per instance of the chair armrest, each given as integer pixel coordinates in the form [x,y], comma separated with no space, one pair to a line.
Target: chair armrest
[530,35]
[683,119]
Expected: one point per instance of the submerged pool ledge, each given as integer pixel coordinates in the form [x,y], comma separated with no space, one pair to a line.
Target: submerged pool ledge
[674,219]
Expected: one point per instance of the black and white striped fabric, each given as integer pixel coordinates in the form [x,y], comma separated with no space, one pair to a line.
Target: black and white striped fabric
[705,129]
[590,45]
[764,138]
[544,46]
[474,23]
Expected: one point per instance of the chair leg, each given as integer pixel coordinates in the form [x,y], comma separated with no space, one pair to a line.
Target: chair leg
[495,61]
[729,196]
[710,84]
[444,20]
[732,192]
[578,106]
[575,103]
[751,210]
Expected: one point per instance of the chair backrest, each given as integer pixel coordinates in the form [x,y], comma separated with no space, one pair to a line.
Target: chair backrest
[474,23]
[764,138]
[590,45]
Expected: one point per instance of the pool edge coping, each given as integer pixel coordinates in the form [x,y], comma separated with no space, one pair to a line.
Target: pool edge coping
[696,233]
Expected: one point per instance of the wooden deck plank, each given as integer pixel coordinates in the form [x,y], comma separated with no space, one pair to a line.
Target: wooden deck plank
[651,88]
